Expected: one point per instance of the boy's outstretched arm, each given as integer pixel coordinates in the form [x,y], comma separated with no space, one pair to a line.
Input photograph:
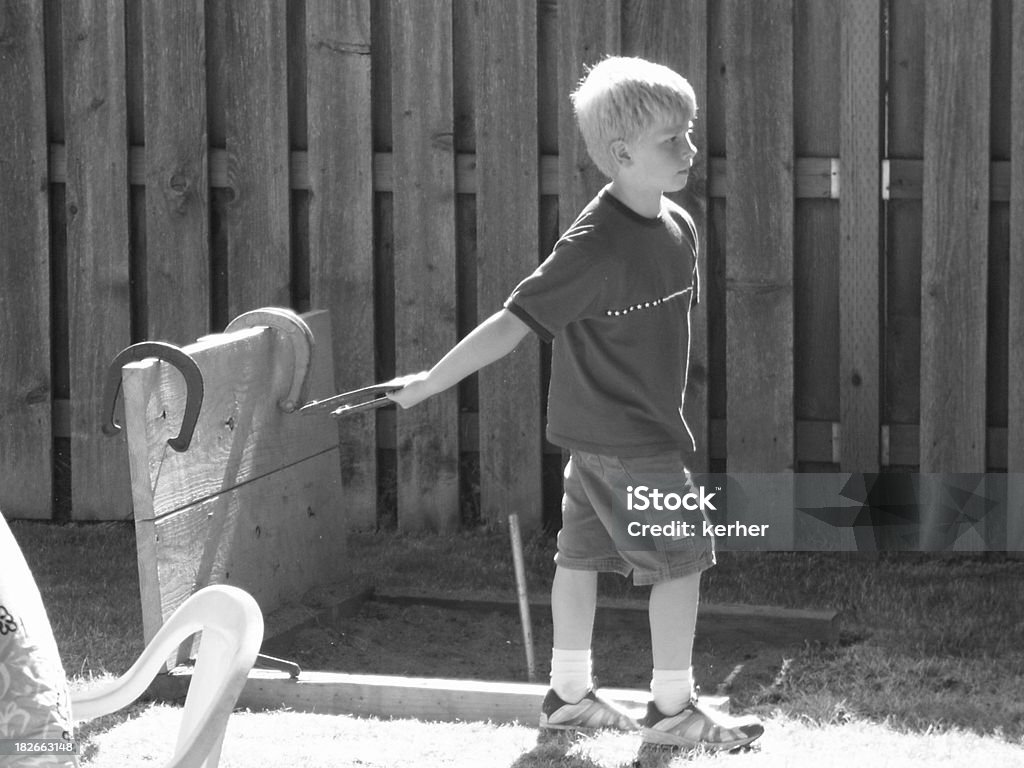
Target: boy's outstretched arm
[494,338]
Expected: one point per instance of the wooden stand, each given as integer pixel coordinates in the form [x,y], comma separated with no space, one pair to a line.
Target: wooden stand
[256,500]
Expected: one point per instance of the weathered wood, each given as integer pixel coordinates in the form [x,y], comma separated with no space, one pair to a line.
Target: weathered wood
[424,248]
[177,254]
[902,320]
[860,235]
[813,177]
[588,32]
[97,246]
[256,120]
[25,376]
[1015,374]
[759,623]
[954,261]
[250,465]
[676,35]
[340,173]
[428,699]
[276,537]
[759,241]
[954,257]
[816,263]
[905,180]
[507,251]
[241,433]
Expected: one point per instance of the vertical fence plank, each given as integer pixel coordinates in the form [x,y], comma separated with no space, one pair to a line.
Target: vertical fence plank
[954,256]
[25,378]
[97,246]
[177,272]
[341,222]
[507,250]
[1015,417]
[676,35]
[902,279]
[759,240]
[256,120]
[587,33]
[424,253]
[816,134]
[955,236]
[860,212]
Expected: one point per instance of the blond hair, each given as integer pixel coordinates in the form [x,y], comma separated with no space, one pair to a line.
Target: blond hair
[623,98]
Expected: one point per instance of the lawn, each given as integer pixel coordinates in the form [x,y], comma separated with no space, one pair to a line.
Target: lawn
[928,670]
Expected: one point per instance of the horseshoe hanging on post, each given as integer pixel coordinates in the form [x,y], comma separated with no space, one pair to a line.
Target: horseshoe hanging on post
[186,366]
[298,333]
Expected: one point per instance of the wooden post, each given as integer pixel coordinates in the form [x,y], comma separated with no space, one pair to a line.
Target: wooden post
[341,222]
[25,378]
[424,248]
[97,246]
[507,251]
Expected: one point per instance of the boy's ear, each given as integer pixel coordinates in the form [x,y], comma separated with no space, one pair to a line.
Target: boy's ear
[620,152]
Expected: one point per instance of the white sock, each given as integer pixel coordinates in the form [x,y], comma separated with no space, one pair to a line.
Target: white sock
[570,674]
[671,689]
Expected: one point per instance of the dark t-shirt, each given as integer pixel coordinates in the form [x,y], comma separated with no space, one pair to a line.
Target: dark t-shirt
[614,298]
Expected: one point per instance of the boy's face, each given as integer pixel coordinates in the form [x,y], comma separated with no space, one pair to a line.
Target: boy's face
[660,159]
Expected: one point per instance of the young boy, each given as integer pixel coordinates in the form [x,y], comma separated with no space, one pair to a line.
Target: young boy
[614,298]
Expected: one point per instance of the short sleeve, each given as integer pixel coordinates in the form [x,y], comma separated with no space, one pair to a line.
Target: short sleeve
[564,288]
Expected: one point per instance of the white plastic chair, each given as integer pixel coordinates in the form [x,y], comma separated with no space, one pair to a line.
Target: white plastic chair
[232,631]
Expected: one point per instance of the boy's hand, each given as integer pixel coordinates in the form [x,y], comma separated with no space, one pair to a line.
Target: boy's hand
[413,389]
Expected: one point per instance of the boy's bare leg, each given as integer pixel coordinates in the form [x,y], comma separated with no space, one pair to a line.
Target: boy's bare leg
[675,718]
[573,603]
[572,704]
[673,616]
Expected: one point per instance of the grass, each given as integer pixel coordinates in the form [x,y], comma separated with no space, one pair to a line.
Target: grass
[928,671]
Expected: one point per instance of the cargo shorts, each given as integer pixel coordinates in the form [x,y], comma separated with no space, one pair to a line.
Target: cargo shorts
[606,505]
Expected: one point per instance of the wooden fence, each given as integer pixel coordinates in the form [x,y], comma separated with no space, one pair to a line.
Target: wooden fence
[403,163]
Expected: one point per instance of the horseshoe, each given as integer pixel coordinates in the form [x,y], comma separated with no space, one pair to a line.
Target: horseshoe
[301,337]
[186,366]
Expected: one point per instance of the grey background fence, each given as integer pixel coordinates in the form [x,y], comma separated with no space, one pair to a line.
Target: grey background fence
[403,163]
